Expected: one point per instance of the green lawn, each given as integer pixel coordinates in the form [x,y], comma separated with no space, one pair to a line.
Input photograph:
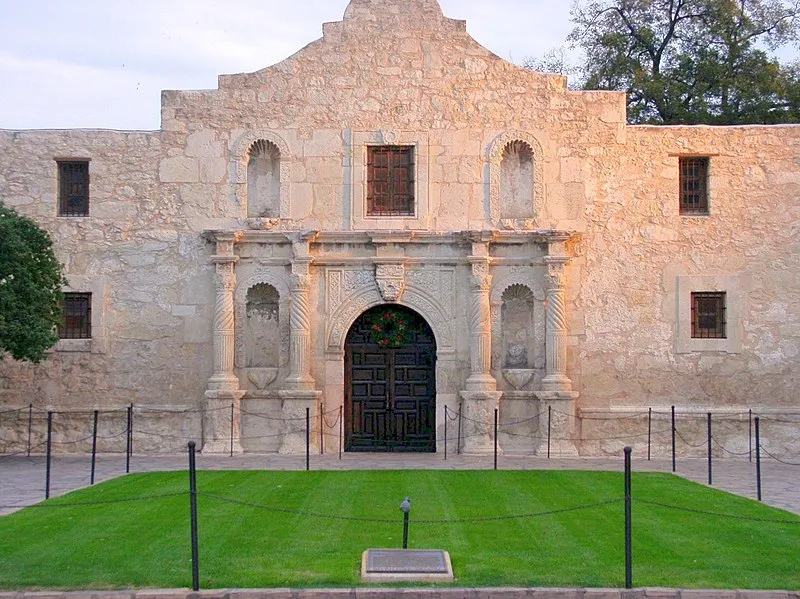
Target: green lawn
[146,543]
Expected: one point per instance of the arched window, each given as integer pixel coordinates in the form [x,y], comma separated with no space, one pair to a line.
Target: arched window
[263,180]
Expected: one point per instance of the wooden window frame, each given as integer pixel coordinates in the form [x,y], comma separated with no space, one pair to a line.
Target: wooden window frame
[76,316]
[391,181]
[694,178]
[709,315]
[73,188]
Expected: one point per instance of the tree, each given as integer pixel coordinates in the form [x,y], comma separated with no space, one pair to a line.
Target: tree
[31,279]
[691,61]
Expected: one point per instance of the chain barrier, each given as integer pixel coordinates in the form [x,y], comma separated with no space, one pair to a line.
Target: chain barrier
[715,514]
[56,504]
[703,444]
[777,459]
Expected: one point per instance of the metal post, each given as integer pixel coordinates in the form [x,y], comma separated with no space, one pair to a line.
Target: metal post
[709,450]
[758,457]
[674,459]
[129,441]
[193,513]
[94,444]
[649,432]
[30,427]
[446,417]
[341,430]
[49,454]
[549,425]
[308,439]
[405,507]
[496,411]
[750,419]
[628,518]
[232,416]
[321,429]
[460,419]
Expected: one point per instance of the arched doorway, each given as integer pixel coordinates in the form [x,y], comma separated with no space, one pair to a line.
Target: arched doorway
[390,382]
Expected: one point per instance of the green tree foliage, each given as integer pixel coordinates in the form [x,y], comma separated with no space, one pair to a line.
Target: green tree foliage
[691,61]
[30,288]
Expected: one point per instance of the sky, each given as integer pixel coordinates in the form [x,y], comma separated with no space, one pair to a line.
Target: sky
[103,63]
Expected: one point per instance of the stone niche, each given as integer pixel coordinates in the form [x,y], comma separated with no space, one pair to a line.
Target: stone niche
[262,336]
[516,181]
[263,180]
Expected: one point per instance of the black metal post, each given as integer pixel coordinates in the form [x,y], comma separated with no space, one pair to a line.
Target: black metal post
[496,412]
[129,441]
[94,444]
[750,419]
[674,458]
[193,513]
[446,417]
[30,427]
[709,450]
[549,426]
[628,523]
[405,530]
[460,419]
[49,454]
[232,417]
[341,430]
[308,439]
[649,432]
[758,457]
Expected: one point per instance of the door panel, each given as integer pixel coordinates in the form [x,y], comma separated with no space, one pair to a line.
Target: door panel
[390,393]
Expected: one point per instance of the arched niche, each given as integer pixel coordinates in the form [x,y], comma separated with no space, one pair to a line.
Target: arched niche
[516,178]
[262,327]
[266,155]
[263,180]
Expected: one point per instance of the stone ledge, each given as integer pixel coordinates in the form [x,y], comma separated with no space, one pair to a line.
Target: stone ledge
[409,593]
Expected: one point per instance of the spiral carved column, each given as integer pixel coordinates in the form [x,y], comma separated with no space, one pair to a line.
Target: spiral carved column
[221,415]
[556,378]
[300,335]
[480,324]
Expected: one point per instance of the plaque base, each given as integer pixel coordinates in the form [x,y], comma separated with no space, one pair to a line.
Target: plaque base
[406,565]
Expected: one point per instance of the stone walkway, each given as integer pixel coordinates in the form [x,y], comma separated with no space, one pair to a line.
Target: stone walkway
[22,479]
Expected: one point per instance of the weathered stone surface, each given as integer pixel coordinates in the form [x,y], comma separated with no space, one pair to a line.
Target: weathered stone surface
[586,188]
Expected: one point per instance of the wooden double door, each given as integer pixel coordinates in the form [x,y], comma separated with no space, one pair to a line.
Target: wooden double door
[390,382]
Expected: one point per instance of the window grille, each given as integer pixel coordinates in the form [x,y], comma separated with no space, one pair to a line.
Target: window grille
[73,188]
[76,317]
[694,185]
[708,316]
[390,181]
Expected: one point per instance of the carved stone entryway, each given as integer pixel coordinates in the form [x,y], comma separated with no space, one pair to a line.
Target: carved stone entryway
[390,382]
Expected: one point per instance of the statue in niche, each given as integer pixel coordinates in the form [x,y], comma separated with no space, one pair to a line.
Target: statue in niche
[517,356]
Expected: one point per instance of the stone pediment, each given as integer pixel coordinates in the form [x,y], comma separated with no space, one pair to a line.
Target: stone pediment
[397,15]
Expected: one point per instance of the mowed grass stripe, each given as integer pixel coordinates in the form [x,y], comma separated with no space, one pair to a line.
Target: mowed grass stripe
[146,544]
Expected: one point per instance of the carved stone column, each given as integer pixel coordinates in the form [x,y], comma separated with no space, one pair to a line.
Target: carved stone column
[223,386]
[557,398]
[556,378]
[299,391]
[481,398]
[300,334]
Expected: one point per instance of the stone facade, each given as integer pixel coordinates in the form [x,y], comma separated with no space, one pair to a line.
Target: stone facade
[229,253]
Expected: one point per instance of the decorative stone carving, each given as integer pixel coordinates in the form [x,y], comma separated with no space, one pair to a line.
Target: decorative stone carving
[241,157]
[262,377]
[275,276]
[224,332]
[389,136]
[496,150]
[300,334]
[480,379]
[391,281]
[556,336]
[518,377]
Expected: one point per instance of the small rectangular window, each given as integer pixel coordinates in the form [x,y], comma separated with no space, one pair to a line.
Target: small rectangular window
[390,181]
[73,188]
[694,185]
[76,317]
[708,315]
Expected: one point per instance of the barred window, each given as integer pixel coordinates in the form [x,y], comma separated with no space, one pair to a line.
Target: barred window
[694,185]
[73,188]
[708,315]
[76,317]
[390,181]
